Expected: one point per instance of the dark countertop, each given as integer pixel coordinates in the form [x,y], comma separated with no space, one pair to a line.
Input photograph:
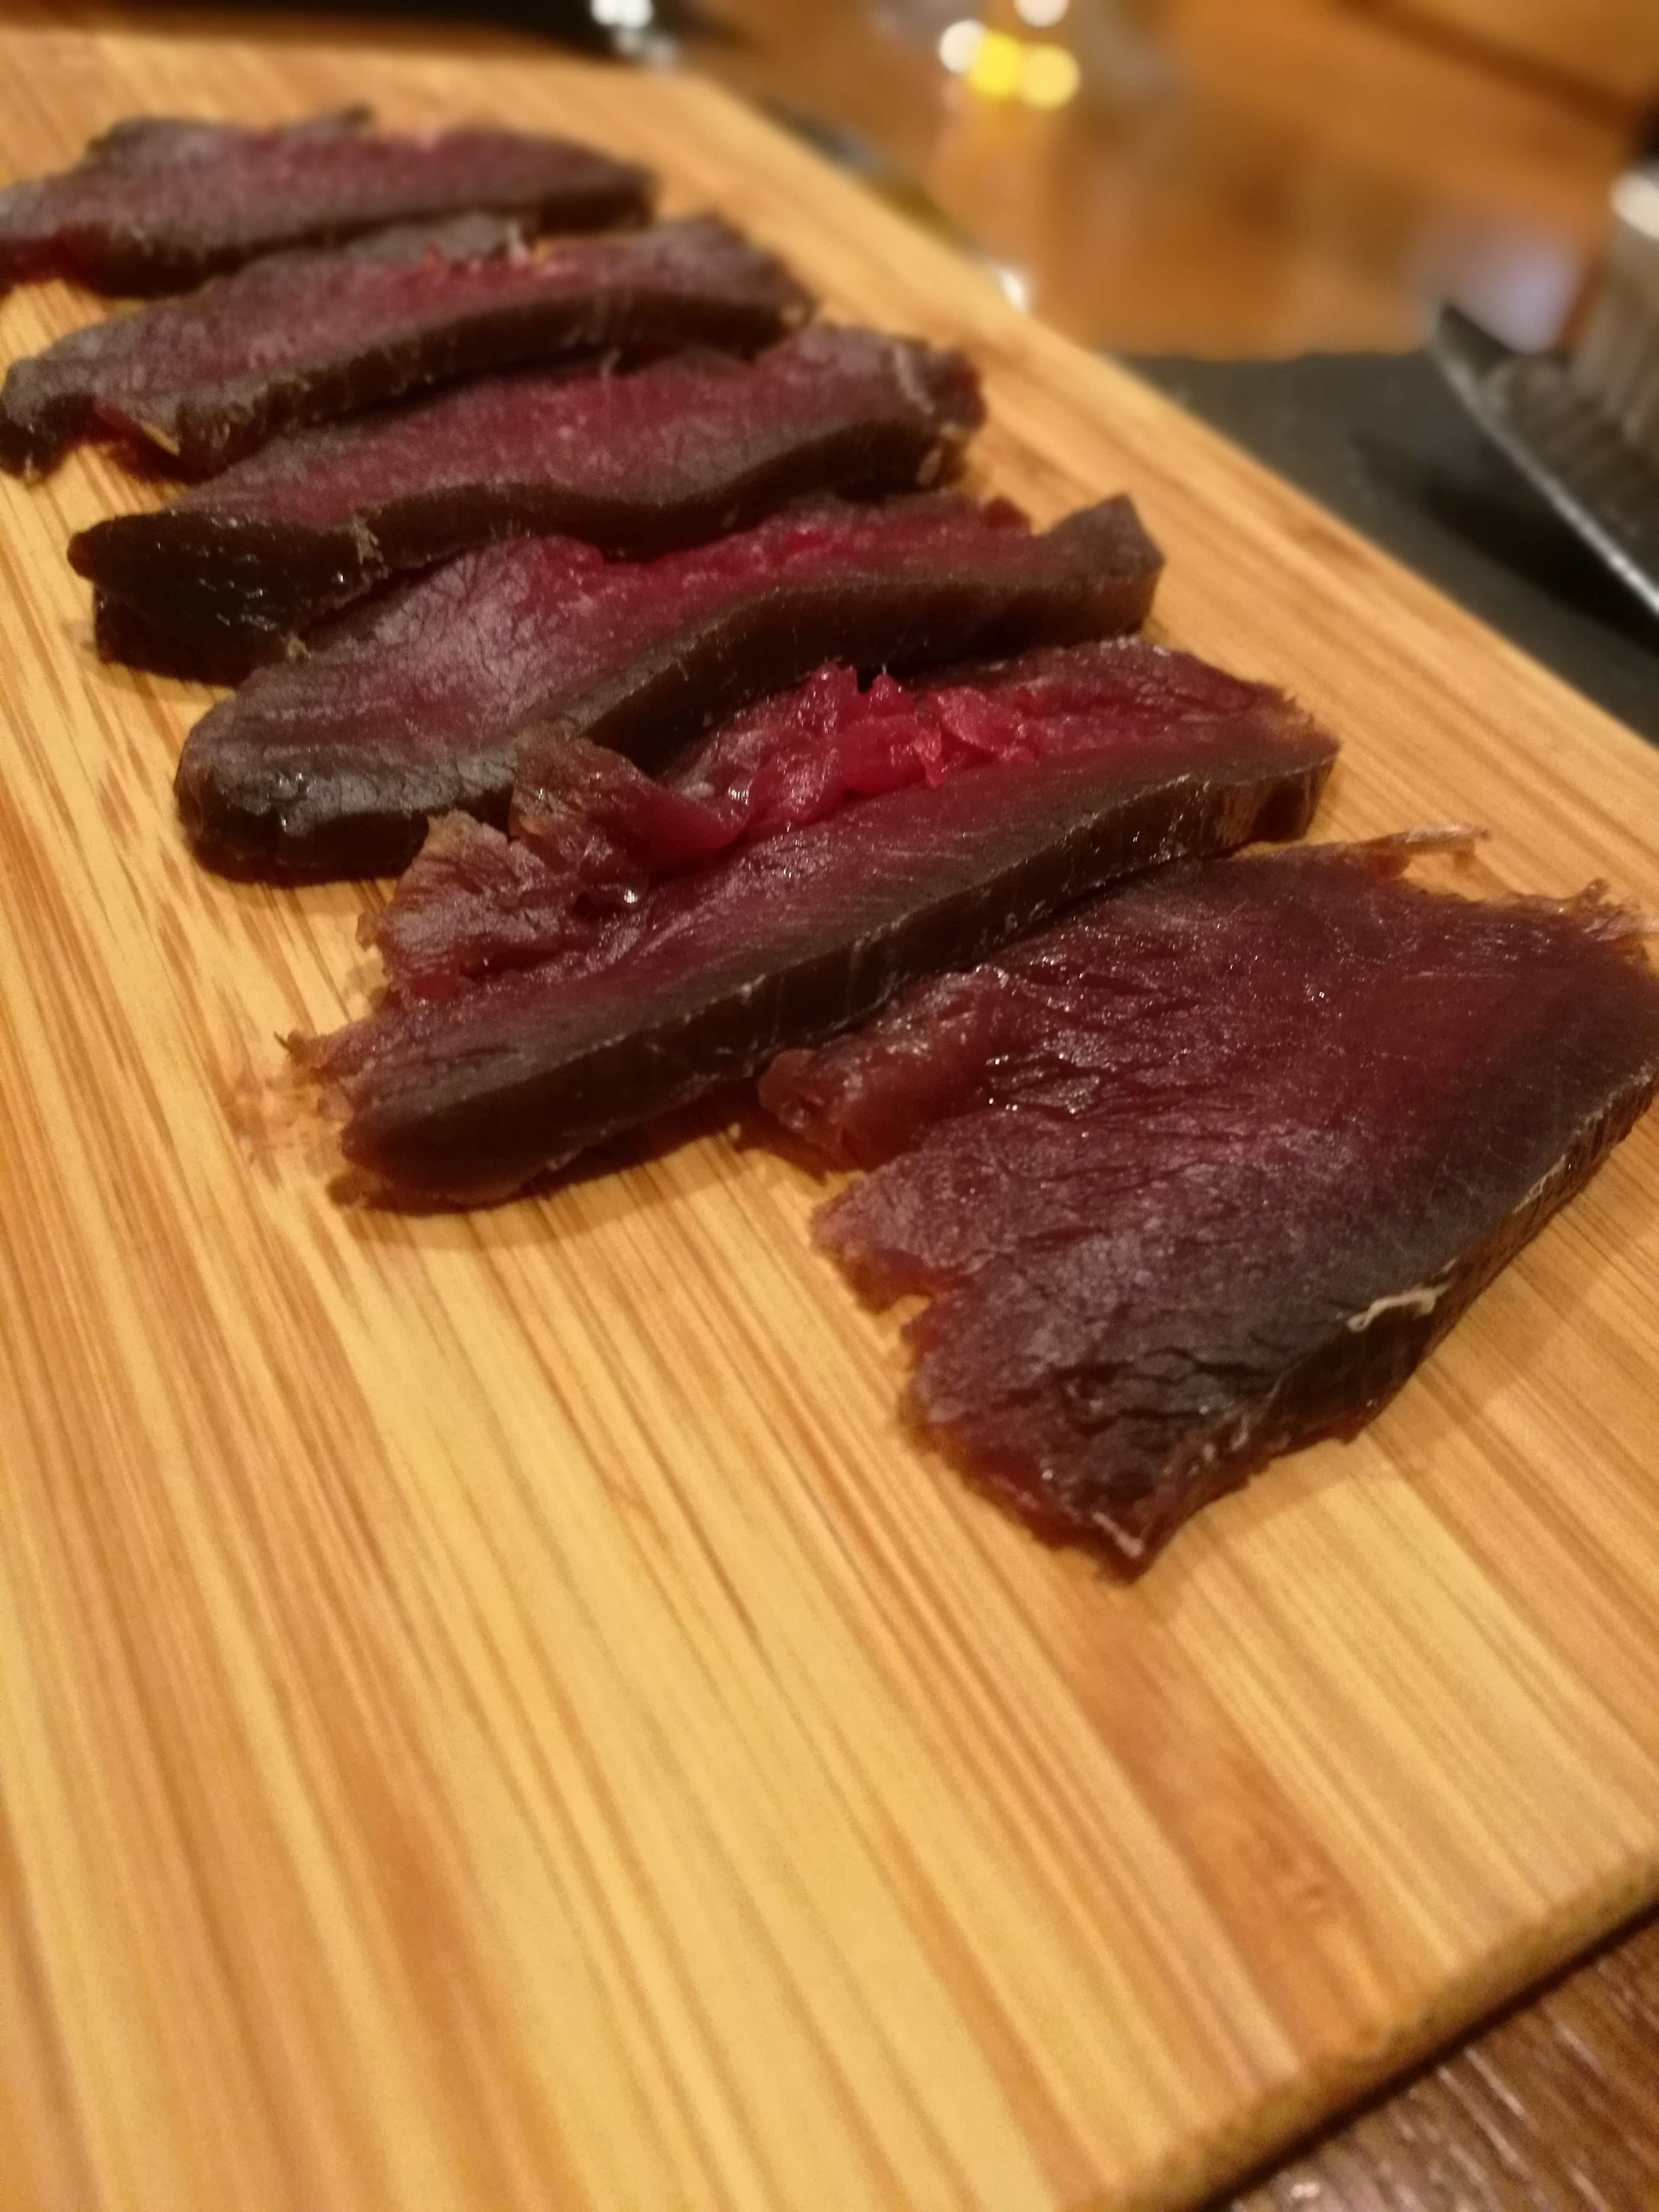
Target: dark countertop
[1380,439]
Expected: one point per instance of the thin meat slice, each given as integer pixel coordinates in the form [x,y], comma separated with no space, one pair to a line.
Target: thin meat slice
[592,1015]
[334,763]
[592,832]
[156,205]
[232,573]
[1201,1175]
[305,337]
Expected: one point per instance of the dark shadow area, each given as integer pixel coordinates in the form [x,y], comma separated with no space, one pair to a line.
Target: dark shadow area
[1524,538]
[1379,439]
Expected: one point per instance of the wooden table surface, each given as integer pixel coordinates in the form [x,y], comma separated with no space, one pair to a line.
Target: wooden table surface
[1490,2128]
[1554,2108]
[1295,175]
[1558,2104]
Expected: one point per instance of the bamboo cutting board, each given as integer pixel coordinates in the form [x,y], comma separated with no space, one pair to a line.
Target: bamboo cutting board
[493,1712]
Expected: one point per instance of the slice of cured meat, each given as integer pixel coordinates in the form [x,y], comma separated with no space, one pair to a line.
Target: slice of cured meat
[157,204]
[333,763]
[305,338]
[231,573]
[592,832]
[1203,1172]
[615,1008]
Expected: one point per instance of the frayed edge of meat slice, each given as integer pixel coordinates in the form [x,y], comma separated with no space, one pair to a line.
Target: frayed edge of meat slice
[528,913]
[467,1099]
[266,788]
[1173,1408]
[592,832]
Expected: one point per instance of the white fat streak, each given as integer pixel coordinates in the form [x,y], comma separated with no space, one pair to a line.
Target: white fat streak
[1422,1300]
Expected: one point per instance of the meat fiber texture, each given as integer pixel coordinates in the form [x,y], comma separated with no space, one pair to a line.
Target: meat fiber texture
[305,338]
[334,764]
[234,572]
[1202,1173]
[591,833]
[157,204]
[636,946]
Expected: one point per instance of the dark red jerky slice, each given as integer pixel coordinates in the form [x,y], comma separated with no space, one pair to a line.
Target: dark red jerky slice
[157,204]
[334,764]
[303,338]
[592,832]
[1201,1173]
[89,383]
[231,572]
[708,974]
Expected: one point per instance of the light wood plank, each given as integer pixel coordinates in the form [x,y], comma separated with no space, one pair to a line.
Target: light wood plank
[494,1713]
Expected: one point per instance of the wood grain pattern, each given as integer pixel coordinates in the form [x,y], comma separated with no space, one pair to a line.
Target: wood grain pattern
[494,1713]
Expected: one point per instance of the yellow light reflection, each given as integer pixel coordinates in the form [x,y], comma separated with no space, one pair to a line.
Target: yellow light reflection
[1050,76]
[998,68]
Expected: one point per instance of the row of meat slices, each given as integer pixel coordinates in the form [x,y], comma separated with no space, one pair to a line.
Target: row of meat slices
[597,588]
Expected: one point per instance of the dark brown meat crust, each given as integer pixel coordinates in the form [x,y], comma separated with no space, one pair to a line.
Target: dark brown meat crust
[592,834]
[156,205]
[401,311]
[234,572]
[705,976]
[332,765]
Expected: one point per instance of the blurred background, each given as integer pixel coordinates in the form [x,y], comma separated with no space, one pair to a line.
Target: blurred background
[1264,206]
[1241,177]
[1220,177]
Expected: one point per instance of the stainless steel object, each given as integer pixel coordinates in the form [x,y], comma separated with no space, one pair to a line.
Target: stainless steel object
[1534,407]
[1584,427]
[1618,364]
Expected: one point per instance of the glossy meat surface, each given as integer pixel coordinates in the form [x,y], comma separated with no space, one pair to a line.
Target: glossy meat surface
[334,763]
[230,573]
[537,1008]
[156,204]
[592,832]
[305,337]
[1200,1174]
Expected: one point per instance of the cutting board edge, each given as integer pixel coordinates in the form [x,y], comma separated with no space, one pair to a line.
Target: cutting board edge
[1288,2120]
[1489,1981]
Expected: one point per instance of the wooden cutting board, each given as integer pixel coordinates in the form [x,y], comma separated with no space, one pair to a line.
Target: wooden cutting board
[493,1712]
